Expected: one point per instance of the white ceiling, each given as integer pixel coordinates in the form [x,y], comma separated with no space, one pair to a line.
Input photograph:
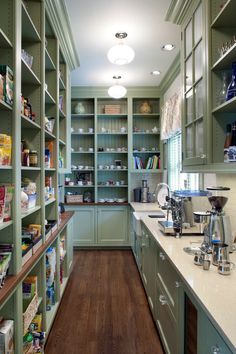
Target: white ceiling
[94,24]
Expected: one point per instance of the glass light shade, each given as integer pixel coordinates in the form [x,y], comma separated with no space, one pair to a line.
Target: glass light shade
[117,91]
[120,54]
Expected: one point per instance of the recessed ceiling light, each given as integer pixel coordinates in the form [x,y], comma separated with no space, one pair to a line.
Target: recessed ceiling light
[155,72]
[168,47]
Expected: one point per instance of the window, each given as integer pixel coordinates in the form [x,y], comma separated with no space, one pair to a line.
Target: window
[176,179]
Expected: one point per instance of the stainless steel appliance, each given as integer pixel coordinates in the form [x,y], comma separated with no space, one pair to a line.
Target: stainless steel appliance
[144,191]
[219,226]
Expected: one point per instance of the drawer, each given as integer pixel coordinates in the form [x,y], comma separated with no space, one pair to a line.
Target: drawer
[209,339]
[169,280]
[165,321]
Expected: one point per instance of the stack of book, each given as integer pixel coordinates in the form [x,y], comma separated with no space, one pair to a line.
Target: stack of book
[153,163]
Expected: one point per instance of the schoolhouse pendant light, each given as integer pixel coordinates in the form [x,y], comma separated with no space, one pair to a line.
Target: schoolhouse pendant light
[117,91]
[121,53]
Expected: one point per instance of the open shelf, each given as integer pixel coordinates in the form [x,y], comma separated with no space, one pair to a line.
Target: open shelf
[5,106]
[5,224]
[48,98]
[228,106]
[225,62]
[50,201]
[28,76]
[28,123]
[30,211]
[49,64]
[4,40]
[226,17]
[29,31]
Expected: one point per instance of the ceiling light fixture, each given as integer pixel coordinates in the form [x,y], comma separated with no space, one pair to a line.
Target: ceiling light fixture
[155,72]
[121,53]
[117,91]
[168,47]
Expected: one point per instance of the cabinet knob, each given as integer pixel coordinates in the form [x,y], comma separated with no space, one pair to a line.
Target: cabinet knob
[215,349]
[162,256]
[203,156]
[163,300]
[178,284]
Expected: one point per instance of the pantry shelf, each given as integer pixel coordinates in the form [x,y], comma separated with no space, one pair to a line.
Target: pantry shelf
[29,31]
[28,76]
[4,106]
[29,212]
[4,40]
[28,123]
[5,224]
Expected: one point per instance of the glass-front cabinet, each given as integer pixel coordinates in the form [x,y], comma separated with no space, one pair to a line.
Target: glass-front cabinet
[194,79]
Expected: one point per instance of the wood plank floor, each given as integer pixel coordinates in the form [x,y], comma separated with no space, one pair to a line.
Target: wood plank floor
[104,309]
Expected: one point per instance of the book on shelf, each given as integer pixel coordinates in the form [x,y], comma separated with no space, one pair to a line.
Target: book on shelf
[153,163]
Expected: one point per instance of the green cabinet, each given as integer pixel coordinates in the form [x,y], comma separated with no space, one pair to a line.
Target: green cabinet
[84,226]
[112,225]
[193,60]
[98,226]
[200,335]
[148,266]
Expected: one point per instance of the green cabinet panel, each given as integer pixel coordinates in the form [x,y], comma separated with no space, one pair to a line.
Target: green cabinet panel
[165,321]
[84,226]
[209,340]
[112,225]
[148,268]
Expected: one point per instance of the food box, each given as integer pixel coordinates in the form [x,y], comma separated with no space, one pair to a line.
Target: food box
[30,312]
[7,74]
[37,243]
[76,198]
[48,231]
[5,149]
[112,109]
[32,200]
[27,254]
[53,225]
[1,87]
[6,337]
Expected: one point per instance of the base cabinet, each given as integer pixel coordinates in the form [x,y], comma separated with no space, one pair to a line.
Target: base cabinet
[112,226]
[98,226]
[182,324]
[84,226]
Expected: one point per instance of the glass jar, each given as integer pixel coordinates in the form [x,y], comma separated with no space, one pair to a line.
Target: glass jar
[33,158]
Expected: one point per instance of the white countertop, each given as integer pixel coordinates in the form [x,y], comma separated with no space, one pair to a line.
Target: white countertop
[145,206]
[216,293]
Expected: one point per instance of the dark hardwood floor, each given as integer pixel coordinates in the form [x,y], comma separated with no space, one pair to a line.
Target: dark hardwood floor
[104,309]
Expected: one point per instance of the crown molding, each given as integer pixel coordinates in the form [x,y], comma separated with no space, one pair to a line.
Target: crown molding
[177,10]
[58,16]
[171,74]
[101,92]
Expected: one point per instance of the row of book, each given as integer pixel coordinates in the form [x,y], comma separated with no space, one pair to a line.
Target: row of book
[153,163]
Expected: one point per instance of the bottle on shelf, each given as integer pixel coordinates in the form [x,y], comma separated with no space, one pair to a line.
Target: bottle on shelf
[227,143]
[231,91]
[223,90]
[232,147]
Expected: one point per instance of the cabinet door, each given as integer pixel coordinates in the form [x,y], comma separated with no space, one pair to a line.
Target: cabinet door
[209,340]
[194,83]
[112,225]
[165,322]
[84,227]
[148,272]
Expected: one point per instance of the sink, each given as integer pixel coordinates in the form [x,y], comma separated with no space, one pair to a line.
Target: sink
[137,215]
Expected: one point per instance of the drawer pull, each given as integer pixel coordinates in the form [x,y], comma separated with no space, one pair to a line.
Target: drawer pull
[178,284]
[162,300]
[162,256]
[215,349]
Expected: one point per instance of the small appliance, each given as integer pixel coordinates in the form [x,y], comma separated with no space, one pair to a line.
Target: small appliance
[219,225]
[144,191]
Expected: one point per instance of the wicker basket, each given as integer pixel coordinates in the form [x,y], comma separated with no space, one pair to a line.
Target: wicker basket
[112,109]
[77,198]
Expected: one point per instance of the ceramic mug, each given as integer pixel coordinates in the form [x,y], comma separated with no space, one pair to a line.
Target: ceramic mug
[81,130]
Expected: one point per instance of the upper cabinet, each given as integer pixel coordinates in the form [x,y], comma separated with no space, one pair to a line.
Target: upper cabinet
[194,87]
[207,56]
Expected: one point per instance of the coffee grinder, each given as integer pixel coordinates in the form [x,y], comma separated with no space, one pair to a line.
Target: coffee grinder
[219,228]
